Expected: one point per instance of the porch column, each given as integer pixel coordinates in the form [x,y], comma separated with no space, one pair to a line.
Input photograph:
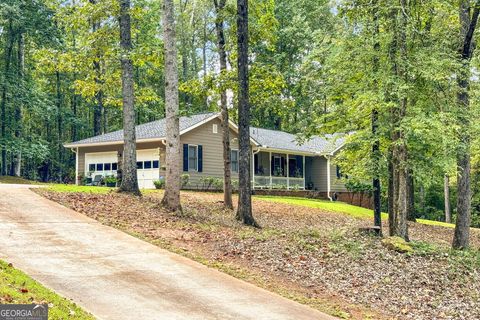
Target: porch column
[288,173]
[253,170]
[304,172]
[328,179]
[76,168]
[270,166]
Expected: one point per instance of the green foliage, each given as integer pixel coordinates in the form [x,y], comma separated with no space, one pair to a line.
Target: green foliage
[185,178]
[357,186]
[159,184]
[211,183]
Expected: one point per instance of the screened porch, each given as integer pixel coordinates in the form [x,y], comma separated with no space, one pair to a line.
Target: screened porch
[273,170]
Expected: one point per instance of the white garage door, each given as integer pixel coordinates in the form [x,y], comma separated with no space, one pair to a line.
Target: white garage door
[101,163]
[148,168]
[105,164]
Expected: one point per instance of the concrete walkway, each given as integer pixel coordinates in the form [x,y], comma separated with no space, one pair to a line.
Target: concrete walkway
[116,276]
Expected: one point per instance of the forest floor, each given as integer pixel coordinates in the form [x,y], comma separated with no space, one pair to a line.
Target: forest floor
[18,288]
[312,255]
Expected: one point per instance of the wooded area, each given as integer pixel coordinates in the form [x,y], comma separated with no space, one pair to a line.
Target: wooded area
[402,76]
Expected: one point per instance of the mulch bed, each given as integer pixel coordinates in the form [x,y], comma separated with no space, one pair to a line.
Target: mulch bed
[310,255]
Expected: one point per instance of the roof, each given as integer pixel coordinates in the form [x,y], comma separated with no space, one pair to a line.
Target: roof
[280,140]
[151,130]
[264,138]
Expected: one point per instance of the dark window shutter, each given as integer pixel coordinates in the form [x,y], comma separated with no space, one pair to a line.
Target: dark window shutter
[185,157]
[200,158]
[272,164]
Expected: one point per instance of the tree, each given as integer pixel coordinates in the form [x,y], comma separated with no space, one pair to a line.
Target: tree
[468,25]
[244,211]
[375,154]
[171,198]
[227,177]
[446,192]
[129,160]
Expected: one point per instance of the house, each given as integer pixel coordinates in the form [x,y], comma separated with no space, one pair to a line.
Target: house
[280,162]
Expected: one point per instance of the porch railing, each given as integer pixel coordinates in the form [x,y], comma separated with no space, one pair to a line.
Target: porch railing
[267,182]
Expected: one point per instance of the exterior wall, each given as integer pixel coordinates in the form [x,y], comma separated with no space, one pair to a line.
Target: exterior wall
[315,167]
[111,151]
[318,176]
[212,151]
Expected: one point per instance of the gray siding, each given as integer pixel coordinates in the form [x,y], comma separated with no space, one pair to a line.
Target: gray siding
[318,176]
[212,150]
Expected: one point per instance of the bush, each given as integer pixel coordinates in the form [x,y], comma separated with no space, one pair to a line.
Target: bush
[234,185]
[211,183]
[185,178]
[159,184]
[110,181]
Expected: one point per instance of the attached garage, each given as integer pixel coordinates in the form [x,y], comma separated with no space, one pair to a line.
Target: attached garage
[148,168]
[105,164]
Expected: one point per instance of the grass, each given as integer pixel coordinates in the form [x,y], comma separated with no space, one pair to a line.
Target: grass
[16,287]
[341,207]
[70,188]
[16,180]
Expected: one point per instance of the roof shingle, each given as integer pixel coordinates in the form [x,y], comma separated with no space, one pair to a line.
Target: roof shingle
[273,139]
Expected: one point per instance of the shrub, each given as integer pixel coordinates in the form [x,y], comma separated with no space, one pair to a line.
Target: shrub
[211,183]
[110,181]
[185,178]
[159,184]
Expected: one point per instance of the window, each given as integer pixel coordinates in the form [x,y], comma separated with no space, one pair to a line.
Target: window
[215,128]
[91,167]
[234,160]
[156,164]
[114,166]
[147,165]
[339,172]
[192,158]
[107,166]
[99,167]
[139,164]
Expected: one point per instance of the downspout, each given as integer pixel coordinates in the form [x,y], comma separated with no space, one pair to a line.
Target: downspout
[328,178]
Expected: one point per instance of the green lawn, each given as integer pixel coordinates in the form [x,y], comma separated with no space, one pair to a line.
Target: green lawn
[340,207]
[16,287]
[73,188]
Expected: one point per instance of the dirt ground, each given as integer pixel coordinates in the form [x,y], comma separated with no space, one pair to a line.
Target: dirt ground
[315,257]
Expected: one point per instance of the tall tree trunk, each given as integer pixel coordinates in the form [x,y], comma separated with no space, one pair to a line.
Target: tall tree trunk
[461,238]
[227,176]
[446,191]
[399,225]
[129,159]
[17,160]
[377,208]
[411,215]
[59,124]
[97,69]
[244,212]
[171,198]
[9,40]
